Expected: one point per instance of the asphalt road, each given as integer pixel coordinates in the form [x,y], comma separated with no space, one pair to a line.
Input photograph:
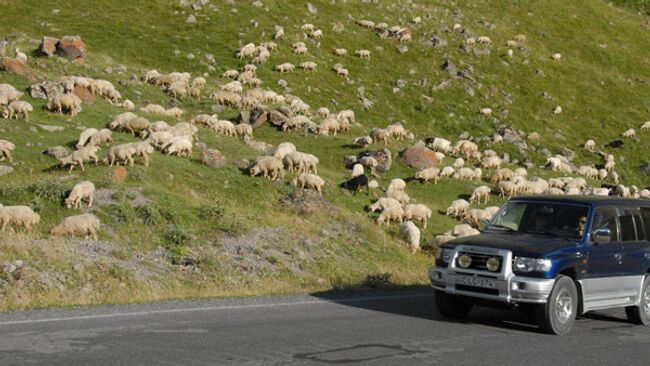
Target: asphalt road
[386,328]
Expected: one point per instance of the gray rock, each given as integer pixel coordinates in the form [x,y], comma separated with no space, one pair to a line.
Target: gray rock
[338,27]
[244,117]
[400,83]
[450,67]
[191,19]
[383,157]
[45,90]
[366,103]
[50,128]
[277,118]
[57,152]
[258,117]
[213,158]
[349,161]
[442,85]
[209,58]
[402,48]
[464,136]
[283,83]
[470,91]
[217,108]
[511,136]
[464,48]
[438,42]
[5,169]
[478,51]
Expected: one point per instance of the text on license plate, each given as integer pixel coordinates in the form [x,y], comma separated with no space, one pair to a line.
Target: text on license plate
[476,281]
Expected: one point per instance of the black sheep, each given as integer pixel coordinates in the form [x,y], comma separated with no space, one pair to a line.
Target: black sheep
[615,144]
[356,184]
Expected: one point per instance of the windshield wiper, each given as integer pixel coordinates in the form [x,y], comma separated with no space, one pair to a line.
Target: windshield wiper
[542,232]
[507,228]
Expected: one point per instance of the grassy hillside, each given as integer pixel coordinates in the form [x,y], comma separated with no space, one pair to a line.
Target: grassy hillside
[241,240]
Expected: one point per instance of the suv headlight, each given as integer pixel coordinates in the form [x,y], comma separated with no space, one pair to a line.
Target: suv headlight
[445,254]
[527,264]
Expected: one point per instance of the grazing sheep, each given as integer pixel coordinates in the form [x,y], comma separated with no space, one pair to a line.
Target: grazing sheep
[590,145]
[84,137]
[128,105]
[380,135]
[356,184]
[244,129]
[457,27]
[458,208]
[491,162]
[285,67]
[411,233]
[269,166]
[362,53]
[399,196]
[308,66]
[340,52]
[80,191]
[396,184]
[557,110]
[68,103]
[556,56]
[121,153]
[486,111]
[138,124]
[279,32]
[19,109]
[181,146]
[87,225]
[366,23]
[311,181]
[342,72]
[645,126]
[144,149]
[447,172]
[78,157]
[485,40]
[417,212]
[428,174]
[103,136]
[283,149]
[383,203]
[439,144]
[6,148]
[370,163]
[463,230]
[18,216]
[393,213]
[322,112]
[481,192]
[629,133]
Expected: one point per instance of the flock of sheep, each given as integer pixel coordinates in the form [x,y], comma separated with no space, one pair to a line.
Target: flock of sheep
[243,91]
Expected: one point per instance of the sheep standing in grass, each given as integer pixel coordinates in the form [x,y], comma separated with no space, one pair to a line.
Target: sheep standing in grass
[458,208]
[244,129]
[340,52]
[144,149]
[428,174]
[103,136]
[18,216]
[556,56]
[310,181]
[417,212]
[384,203]
[283,149]
[399,196]
[19,109]
[363,53]
[480,192]
[308,66]
[590,145]
[357,170]
[85,136]
[645,126]
[80,191]
[393,213]
[411,233]
[181,146]
[6,148]
[629,133]
[396,184]
[64,103]
[285,67]
[80,156]
[269,166]
[87,225]
[121,153]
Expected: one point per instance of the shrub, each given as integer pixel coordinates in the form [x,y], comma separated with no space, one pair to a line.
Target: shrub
[50,190]
[150,215]
[210,211]
[175,242]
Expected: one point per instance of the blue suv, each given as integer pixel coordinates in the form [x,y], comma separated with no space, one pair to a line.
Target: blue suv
[561,256]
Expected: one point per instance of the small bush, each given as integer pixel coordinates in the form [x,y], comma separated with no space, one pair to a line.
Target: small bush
[50,190]
[211,212]
[150,215]
[175,241]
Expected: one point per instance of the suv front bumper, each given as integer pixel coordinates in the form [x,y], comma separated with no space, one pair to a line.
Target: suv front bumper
[504,286]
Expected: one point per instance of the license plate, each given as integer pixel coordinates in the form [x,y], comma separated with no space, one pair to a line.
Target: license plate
[476,281]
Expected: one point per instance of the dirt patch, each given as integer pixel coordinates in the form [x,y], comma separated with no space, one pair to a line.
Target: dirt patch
[307,201]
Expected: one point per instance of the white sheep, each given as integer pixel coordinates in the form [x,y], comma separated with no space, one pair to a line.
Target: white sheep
[629,133]
[447,172]
[417,212]
[87,225]
[68,103]
[6,147]
[645,126]
[103,136]
[84,137]
[8,94]
[463,230]
[393,213]
[481,192]
[484,40]
[590,145]
[283,149]
[128,105]
[340,52]
[121,153]
[80,191]
[308,66]
[18,216]
[411,233]
[399,196]
[556,56]
[285,67]
[310,181]
[396,184]
[181,146]
[428,174]
[19,108]
[486,111]
[144,149]
[557,110]
[383,203]
[244,129]
[269,166]
[357,170]
[78,157]
[458,208]
[362,53]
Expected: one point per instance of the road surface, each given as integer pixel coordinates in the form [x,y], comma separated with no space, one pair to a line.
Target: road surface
[381,328]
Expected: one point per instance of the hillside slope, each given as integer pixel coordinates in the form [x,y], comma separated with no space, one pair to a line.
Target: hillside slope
[230,231]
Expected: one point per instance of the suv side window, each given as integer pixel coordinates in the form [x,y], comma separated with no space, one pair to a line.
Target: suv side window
[627,217]
[645,217]
[605,218]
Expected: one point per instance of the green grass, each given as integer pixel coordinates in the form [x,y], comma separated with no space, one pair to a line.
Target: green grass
[602,83]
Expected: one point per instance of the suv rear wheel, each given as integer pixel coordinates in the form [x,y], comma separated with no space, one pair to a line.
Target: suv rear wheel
[558,315]
[452,306]
[641,314]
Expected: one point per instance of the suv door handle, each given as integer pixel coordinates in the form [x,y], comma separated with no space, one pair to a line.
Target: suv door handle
[618,256]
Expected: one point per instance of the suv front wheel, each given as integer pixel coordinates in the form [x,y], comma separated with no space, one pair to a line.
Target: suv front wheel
[641,314]
[452,306]
[558,315]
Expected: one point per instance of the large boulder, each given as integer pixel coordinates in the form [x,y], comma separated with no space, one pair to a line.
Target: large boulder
[84,94]
[645,168]
[244,117]
[15,66]
[418,157]
[383,157]
[57,152]
[47,47]
[213,158]
[277,118]
[45,90]
[71,47]
[307,201]
[258,117]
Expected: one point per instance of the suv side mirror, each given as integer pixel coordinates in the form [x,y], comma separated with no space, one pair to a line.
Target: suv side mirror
[482,224]
[601,236]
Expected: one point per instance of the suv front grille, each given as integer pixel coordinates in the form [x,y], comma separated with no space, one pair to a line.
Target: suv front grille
[479,261]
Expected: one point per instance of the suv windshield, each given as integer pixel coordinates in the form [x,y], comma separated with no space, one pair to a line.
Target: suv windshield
[552,219]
